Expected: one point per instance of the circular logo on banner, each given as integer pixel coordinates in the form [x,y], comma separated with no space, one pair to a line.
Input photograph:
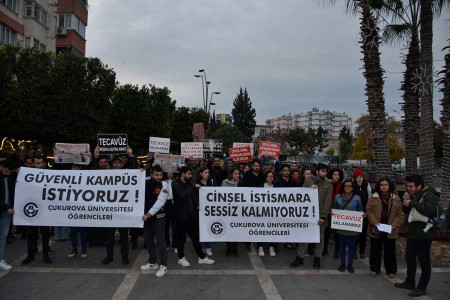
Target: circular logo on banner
[30,210]
[217,228]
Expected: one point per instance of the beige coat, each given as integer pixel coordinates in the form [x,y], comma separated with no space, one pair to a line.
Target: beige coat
[373,211]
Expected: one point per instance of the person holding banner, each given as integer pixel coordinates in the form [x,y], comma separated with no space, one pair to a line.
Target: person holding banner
[186,210]
[253,178]
[156,195]
[383,207]
[323,184]
[284,179]
[204,180]
[268,184]
[336,176]
[39,162]
[295,174]
[347,200]
[7,189]
[233,180]
[170,216]
[117,163]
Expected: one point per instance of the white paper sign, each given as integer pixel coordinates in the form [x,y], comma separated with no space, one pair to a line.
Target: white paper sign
[238,145]
[347,220]
[192,150]
[95,198]
[384,228]
[169,163]
[242,214]
[72,154]
[159,145]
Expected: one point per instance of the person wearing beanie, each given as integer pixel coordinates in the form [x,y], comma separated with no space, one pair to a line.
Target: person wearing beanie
[364,191]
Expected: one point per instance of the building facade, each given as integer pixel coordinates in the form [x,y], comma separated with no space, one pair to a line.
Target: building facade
[331,121]
[48,25]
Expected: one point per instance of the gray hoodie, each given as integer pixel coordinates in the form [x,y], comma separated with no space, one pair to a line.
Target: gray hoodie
[230,183]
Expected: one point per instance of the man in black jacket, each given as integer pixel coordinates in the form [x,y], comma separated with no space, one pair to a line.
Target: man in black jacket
[7,188]
[39,162]
[186,210]
[253,178]
[156,194]
[284,179]
[117,163]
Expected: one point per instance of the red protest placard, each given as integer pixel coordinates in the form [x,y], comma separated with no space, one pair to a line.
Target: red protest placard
[241,154]
[269,149]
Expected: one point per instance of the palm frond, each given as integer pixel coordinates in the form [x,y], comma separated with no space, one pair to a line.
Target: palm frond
[395,33]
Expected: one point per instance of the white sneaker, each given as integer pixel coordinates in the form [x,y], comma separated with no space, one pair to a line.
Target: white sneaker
[149,266]
[206,261]
[175,251]
[272,251]
[183,262]
[5,266]
[208,252]
[261,251]
[161,271]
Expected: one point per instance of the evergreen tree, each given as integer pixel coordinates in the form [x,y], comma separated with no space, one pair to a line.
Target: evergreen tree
[244,115]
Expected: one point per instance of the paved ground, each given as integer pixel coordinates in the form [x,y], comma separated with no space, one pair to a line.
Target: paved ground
[245,277]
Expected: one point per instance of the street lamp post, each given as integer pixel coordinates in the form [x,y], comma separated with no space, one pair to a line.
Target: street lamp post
[206,87]
[398,114]
[203,88]
[212,103]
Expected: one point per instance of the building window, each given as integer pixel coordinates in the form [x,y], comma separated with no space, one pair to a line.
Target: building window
[72,22]
[36,43]
[35,11]
[42,47]
[27,42]
[65,21]
[7,35]
[11,4]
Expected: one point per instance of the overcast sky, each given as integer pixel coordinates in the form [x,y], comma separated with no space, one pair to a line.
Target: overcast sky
[291,55]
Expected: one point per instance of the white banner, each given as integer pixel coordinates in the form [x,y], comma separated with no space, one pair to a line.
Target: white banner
[259,215]
[347,220]
[72,154]
[159,145]
[192,150]
[100,198]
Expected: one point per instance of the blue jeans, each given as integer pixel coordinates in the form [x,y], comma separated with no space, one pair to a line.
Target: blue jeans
[5,221]
[74,237]
[61,233]
[344,242]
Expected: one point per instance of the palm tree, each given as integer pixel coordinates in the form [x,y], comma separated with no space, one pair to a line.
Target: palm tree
[370,41]
[445,119]
[426,106]
[406,15]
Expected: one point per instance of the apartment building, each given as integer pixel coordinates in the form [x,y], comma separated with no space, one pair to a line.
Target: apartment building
[331,121]
[49,25]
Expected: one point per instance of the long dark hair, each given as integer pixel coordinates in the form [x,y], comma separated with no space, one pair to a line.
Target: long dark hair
[230,174]
[331,172]
[391,186]
[200,171]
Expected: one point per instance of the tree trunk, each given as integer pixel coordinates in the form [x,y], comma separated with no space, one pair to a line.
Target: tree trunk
[445,119]
[426,106]
[411,104]
[374,90]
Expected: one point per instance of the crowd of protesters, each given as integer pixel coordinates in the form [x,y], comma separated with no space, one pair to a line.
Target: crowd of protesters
[172,212]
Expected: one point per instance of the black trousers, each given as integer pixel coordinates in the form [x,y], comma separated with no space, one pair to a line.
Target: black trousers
[326,240]
[363,236]
[110,238]
[418,249]
[192,230]
[32,239]
[385,247]
[155,241]
[135,233]
[170,222]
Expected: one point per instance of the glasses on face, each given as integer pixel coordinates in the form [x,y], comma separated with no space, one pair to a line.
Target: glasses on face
[348,186]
